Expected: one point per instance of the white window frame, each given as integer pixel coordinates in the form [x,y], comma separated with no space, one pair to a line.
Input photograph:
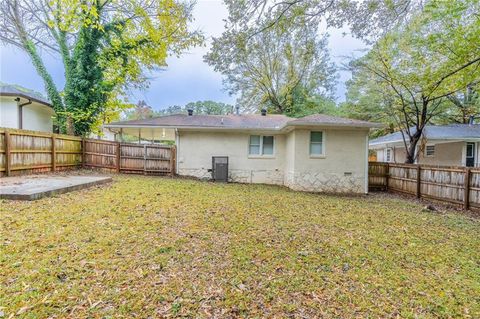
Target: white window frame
[425,153]
[387,150]
[323,154]
[261,155]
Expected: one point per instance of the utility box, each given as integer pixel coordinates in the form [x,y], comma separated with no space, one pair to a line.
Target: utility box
[220,168]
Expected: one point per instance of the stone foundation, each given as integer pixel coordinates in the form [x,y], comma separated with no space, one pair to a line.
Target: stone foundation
[325,182]
[300,181]
[239,176]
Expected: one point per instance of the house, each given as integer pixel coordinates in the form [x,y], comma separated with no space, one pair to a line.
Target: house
[443,145]
[24,109]
[317,153]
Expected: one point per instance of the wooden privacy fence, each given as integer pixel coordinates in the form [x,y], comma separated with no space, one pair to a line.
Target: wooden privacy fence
[146,159]
[28,152]
[457,185]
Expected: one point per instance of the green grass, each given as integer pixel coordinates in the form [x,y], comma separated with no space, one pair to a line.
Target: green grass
[159,247]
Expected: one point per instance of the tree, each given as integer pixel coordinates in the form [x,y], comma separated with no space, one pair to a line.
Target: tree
[199,107]
[105,47]
[418,67]
[367,19]
[140,111]
[465,104]
[275,68]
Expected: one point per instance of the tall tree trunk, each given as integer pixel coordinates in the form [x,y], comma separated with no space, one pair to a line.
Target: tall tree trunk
[412,147]
[52,92]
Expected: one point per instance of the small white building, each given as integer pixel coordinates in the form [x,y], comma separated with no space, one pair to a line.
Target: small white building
[317,153]
[24,109]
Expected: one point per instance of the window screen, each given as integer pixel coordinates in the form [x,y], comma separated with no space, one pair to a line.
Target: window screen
[261,145]
[254,148]
[316,143]
[267,145]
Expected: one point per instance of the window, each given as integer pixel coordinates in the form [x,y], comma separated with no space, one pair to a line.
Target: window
[388,155]
[261,145]
[430,150]
[316,143]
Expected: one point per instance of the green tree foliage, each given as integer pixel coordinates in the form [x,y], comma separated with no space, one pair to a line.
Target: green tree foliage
[412,74]
[144,111]
[106,47]
[278,68]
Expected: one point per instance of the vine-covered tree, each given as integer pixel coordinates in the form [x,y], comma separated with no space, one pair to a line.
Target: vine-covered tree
[105,46]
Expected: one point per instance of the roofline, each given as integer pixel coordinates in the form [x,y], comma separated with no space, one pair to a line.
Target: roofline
[278,128]
[433,139]
[362,125]
[26,97]
[191,127]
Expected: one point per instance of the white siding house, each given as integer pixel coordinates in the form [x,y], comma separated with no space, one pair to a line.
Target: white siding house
[24,110]
[316,153]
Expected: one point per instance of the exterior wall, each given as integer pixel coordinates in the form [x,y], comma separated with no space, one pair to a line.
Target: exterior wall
[448,154]
[289,171]
[37,118]
[341,169]
[8,112]
[195,151]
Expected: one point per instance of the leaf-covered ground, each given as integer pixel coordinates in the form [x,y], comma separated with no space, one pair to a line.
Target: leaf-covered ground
[158,247]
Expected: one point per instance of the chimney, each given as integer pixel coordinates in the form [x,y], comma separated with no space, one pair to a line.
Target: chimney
[471,120]
[190,112]
[264,112]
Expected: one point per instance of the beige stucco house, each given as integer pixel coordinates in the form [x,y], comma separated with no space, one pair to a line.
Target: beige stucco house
[315,153]
[24,109]
[443,145]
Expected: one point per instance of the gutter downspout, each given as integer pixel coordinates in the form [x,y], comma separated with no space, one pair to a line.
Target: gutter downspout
[20,112]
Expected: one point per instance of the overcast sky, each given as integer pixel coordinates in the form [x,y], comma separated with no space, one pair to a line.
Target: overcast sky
[187,79]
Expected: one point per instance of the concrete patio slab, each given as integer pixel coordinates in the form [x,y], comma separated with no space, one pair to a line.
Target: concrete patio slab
[34,187]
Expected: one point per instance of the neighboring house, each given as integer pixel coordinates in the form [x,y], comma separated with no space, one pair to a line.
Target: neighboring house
[446,145]
[316,153]
[24,109]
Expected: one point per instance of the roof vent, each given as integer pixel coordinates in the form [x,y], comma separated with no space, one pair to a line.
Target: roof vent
[190,112]
[264,112]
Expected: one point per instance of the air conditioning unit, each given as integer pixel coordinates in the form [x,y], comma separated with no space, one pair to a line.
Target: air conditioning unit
[220,168]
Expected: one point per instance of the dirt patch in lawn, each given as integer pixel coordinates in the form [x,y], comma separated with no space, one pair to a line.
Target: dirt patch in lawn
[159,247]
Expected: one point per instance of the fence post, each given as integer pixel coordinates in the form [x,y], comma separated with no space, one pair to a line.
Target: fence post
[387,174]
[466,202]
[118,157]
[173,157]
[8,159]
[145,160]
[84,156]
[54,154]
[419,181]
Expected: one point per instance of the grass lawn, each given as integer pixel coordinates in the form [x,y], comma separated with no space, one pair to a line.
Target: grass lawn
[159,247]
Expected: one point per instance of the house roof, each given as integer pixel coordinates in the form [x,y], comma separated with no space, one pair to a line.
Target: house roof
[18,91]
[243,121]
[436,132]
